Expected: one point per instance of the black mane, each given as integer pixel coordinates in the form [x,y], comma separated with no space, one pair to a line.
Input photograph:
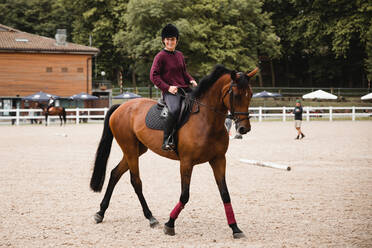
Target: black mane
[207,81]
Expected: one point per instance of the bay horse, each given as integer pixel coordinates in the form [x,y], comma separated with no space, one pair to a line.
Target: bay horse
[60,111]
[216,93]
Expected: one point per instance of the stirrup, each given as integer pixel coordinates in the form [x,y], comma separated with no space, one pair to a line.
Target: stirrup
[168,144]
[168,147]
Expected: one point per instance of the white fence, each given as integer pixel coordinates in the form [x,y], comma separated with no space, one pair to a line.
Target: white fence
[311,113]
[78,115]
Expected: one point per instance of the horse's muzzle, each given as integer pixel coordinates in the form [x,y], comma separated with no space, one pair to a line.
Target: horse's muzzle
[243,130]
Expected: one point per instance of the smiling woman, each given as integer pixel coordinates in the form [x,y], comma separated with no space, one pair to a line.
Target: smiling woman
[168,72]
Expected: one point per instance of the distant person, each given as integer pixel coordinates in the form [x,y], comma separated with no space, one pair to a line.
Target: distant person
[31,114]
[298,119]
[13,113]
[228,125]
[51,103]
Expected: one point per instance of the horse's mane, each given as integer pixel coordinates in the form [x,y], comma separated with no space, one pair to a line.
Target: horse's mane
[207,81]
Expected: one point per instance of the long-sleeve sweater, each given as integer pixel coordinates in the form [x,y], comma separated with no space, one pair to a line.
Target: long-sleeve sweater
[169,68]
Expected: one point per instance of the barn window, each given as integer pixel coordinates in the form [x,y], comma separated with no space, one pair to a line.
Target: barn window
[49,69]
[80,69]
[64,69]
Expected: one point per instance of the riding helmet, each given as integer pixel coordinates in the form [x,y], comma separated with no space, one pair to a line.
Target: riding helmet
[169,31]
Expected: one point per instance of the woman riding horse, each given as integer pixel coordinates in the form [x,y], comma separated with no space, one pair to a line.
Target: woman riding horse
[217,93]
[168,73]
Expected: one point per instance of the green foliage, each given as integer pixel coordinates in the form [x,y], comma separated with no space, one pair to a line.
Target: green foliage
[324,39]
[42,17]
[368,60]
[211,32]
[309,41]
[100,21]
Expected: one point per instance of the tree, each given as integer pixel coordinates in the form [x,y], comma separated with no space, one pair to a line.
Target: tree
[323,41]
[232,33]
[42,17]
[99,21]
[368,60]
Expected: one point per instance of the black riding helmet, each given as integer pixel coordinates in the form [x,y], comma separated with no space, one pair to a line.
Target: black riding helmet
[169,31]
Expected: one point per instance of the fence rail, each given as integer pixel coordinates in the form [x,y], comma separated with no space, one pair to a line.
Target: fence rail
[285,91]
[78,115]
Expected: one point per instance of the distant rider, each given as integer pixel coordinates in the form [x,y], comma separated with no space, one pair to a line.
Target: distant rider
[51,103]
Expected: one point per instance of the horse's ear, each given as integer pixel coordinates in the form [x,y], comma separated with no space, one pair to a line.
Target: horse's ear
[252,73]
[233,75]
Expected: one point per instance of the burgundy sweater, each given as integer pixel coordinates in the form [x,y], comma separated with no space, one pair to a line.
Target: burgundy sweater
[169,68]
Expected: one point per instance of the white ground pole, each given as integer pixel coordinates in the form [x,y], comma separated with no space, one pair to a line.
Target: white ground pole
[266,164]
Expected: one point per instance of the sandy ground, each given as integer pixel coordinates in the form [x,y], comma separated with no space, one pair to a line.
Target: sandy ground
[325,201]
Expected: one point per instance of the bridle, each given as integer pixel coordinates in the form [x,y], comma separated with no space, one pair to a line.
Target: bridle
[234,115]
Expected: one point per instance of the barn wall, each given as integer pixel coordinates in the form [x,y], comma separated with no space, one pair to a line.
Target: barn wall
[60,74]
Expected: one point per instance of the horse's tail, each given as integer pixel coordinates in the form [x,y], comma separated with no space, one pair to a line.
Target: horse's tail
[102,154]
[64,115]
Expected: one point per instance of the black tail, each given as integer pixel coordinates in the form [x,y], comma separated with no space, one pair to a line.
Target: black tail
[102,154]
[64,115]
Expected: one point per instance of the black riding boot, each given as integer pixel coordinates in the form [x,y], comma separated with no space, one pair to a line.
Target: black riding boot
[168,142]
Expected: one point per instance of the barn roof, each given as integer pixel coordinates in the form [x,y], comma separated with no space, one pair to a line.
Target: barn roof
[13,40]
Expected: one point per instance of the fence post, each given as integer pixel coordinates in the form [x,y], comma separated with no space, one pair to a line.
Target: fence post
[330,114]
[17,116]
[104,112]
[260,114]
[77,116]
[308,113]
[284,114]
[353,114]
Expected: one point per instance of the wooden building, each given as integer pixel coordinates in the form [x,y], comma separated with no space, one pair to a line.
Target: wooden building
[30,63]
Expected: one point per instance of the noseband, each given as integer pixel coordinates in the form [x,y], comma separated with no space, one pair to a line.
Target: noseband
[234,115]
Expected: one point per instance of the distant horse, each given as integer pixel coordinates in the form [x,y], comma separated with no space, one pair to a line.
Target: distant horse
[60,111]
[202,139]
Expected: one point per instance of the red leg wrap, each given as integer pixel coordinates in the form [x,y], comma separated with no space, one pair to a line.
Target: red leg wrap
[229,213]
[177,210]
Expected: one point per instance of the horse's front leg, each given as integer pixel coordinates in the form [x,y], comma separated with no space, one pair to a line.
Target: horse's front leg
[186,171]
[219,168]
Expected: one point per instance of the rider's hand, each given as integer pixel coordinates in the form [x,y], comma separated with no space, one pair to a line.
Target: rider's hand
[193,83]
[173,89]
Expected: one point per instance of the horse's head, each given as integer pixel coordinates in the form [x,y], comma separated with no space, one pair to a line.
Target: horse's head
[237,97]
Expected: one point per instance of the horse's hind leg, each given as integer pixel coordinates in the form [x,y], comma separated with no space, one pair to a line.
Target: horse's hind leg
[219,167]
[60,118]
[115,176]
[137,185]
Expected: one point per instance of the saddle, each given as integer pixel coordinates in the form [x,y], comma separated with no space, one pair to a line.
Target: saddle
[155,117]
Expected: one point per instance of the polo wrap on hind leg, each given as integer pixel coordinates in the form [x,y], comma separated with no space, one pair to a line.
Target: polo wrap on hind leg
[229,213]
[177,210]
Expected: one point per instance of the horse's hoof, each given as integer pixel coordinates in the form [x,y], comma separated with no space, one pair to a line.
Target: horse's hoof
[153,222]
[169,230]
[238,235]
[98,218]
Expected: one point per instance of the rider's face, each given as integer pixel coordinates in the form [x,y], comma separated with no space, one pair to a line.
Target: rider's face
[170,43]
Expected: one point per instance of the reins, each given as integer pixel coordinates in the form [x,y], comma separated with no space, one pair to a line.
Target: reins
[233,115]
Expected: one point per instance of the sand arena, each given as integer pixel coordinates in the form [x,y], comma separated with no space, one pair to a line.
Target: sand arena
[325,201]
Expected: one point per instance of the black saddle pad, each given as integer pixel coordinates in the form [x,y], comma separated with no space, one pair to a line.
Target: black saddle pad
[153,118]
[155,121]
